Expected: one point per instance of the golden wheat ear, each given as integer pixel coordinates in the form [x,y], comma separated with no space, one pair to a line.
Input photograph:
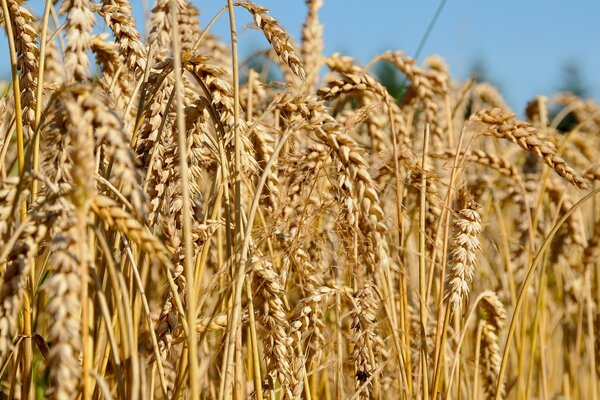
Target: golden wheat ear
[28,58]
[80,22]
[463,256]
[502,125]
[277,36]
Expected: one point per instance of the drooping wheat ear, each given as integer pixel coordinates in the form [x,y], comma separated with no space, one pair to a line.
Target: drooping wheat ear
[108,61]
[72,257]
[427,85]
[160,34]
[502,125]
[310,315]
[202,152]
[54,148]
[80,21]
[109,135]
[300,170]
[63,289]
[357,180]
[364,325]
[89,112]
[312,42]
[14,276]
[269,305]
[158,168]
[378,116]
[220,96]
[492,319]
[440,70]
[343,64]
[308,262]
[78,117]
[313,111]
[160,86]
[352,82]
[189,26]
[118,17]
[16,266]
[113,215]
[28,56]
[107,58]
[463,258]
[277,36]
[164,176]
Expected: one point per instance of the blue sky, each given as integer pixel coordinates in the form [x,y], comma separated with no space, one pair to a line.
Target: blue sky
[523,44]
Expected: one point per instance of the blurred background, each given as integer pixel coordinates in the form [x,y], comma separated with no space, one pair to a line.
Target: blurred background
[523,47]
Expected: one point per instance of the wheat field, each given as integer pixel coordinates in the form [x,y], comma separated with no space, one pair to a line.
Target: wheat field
[173,224]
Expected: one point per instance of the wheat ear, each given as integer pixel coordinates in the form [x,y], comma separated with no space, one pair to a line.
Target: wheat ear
[502,125]
[463,258]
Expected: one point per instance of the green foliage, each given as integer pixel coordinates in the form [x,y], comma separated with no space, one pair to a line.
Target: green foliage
[572,80]
[393,80]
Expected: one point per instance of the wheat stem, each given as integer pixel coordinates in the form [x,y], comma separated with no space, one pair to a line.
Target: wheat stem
[187,219]
[538,256]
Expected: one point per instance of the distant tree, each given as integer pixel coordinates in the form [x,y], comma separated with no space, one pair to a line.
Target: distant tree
[392,79]
[259,62]
[480,70]
[572,79]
